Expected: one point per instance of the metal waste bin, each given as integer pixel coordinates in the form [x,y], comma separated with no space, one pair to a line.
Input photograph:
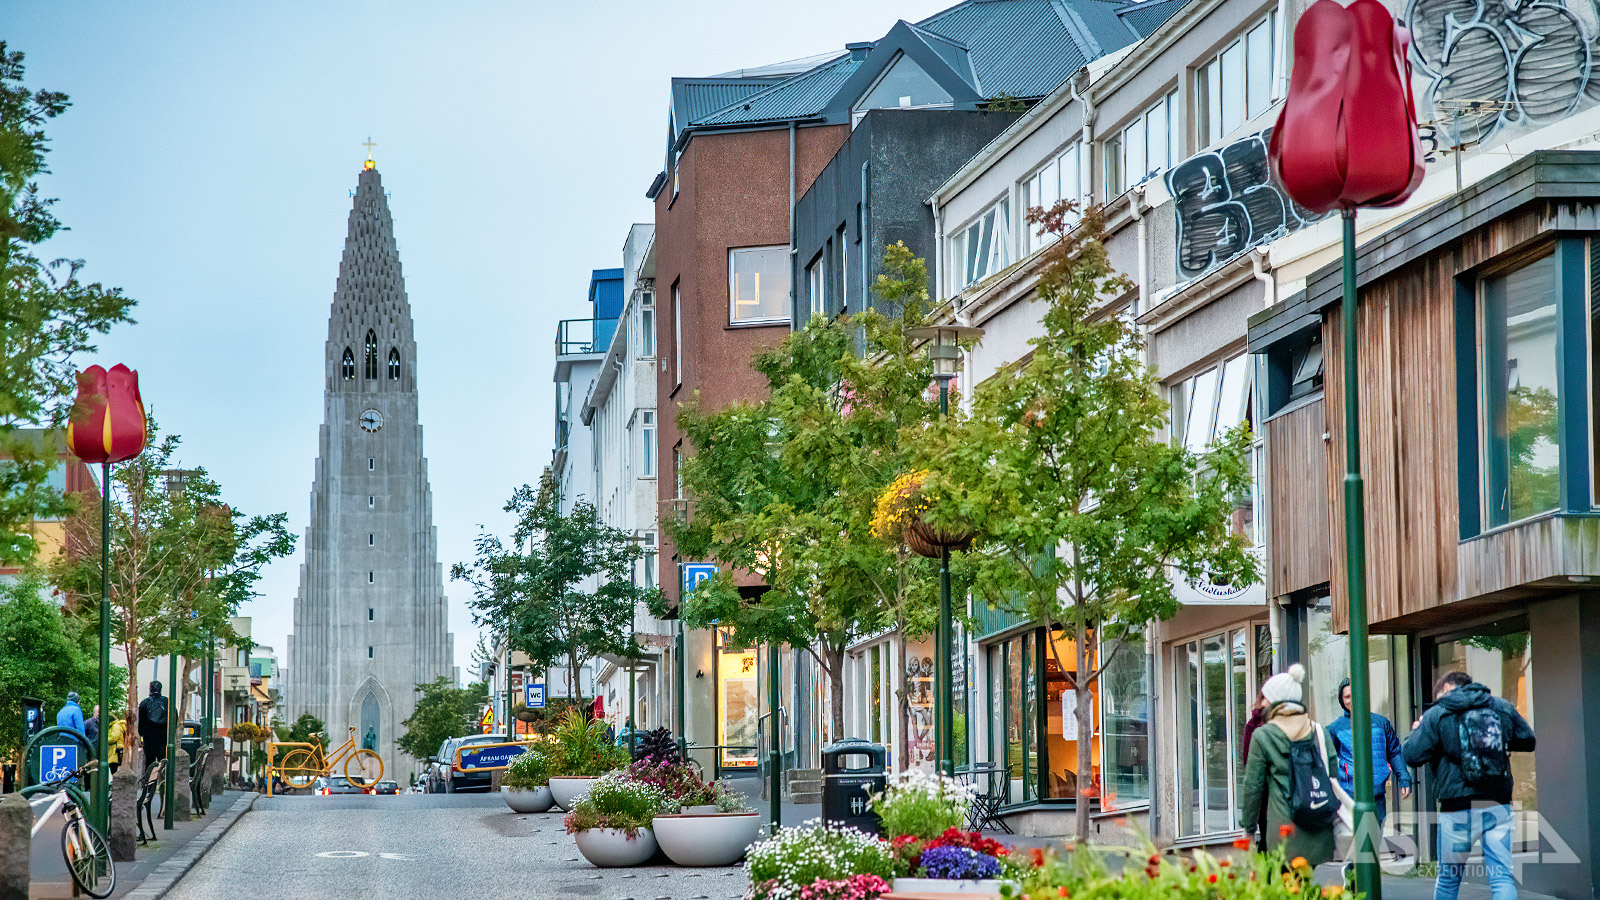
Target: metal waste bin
[852,771]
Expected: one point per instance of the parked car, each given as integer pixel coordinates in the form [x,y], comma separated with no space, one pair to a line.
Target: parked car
[386,787]
[336,784]
[445,778]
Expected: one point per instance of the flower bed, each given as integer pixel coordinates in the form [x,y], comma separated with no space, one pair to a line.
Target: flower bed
[817,859]
[1164,875]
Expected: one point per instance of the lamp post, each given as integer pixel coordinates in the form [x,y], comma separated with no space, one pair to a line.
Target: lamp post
[944,349]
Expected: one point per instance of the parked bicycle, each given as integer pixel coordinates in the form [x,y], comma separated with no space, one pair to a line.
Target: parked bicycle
[86,851]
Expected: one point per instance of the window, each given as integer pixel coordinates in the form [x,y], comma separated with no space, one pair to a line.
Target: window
[372,463]
[647,325]
[652,553]
[1208,405]
[1306,370]
[347,368]
[1217,677]
[1058,180]
[816,282]
[371,502]
[981,248]
[844,269]
[647,444]
[369,614]
[1153,141]
[369,651]
[758,285]
[677,469]
[371,539]
[394,364]
[1520,392]
[677,336]
[1124,690]
[372,355]
[372,577]
[1236,86]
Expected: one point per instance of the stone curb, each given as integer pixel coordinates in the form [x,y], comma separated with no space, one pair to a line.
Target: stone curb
[160,881]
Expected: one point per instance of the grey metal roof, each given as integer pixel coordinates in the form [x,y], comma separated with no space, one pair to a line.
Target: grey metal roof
[799,97]
[1144,18]
[695,99]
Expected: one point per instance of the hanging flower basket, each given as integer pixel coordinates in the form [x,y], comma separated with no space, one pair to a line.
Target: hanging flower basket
[926,540]
[898,519]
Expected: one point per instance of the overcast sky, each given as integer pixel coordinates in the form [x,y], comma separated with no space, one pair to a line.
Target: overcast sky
[206,167]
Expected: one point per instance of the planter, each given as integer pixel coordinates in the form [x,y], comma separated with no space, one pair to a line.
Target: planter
[717,839]
[989,887]
[611,847]
[706,809]
[566,788]
[925,540]
[525,800]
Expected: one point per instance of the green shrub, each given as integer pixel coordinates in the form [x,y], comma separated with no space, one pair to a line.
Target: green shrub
[579,747]
[529,771]
[613,801]
[796,857]
[922,805]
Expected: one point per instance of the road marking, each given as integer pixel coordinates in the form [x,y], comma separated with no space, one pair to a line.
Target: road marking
[357,854]
[397,856]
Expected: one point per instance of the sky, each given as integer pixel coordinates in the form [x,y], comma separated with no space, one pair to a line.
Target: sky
[206,166]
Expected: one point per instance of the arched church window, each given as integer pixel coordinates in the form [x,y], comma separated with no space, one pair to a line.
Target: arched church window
[372,354]
[347,368]
[394,364]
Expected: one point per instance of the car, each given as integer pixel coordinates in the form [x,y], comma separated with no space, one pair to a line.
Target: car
[386,787]
[445,778]
[336,784]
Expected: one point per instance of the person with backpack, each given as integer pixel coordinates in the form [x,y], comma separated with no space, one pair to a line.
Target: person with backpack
[1387,759]
[1286,777]
[1467,737]
[153,724]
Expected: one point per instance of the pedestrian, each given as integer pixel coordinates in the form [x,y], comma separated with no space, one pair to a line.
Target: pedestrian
[91,729]
[71,714]
[153,724]
[1258,717]
[118,740]
[1387,758]
[1468,736]
[1282,784]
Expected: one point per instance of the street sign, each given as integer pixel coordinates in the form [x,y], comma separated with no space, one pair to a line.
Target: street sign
[694,573]
[534,698]
[516,681]
[487,722]
[58,761]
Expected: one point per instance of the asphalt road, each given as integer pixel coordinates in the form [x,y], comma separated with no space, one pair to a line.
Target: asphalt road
[424,846]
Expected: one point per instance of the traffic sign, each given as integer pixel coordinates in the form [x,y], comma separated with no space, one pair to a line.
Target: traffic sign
[58,761]
[534,698]
[694,573]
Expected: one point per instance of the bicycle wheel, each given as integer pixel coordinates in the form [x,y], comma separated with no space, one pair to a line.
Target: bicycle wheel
[299,768]
[364,768]
[88,858]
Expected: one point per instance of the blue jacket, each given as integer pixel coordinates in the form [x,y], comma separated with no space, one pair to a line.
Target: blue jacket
[70,716]
[1386,755]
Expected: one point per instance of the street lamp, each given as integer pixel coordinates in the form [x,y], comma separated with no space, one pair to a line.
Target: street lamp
[944,349]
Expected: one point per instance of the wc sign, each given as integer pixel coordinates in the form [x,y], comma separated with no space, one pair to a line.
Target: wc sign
[57,761]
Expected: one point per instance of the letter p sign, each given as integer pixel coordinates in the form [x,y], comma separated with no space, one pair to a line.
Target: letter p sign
[59,761]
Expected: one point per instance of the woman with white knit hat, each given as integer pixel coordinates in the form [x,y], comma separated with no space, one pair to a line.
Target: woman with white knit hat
[1267,782]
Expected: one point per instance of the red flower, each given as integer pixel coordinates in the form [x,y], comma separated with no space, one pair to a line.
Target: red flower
[1037,855]
[1347,135]
[1212,878]
[108,423]
[1241,843]
[1285,830]
[1061,891]
[1154,859]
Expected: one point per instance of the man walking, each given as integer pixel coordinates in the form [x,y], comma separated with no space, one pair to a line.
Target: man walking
[1387,758]
[71,714]
[1468,737]
[153,724]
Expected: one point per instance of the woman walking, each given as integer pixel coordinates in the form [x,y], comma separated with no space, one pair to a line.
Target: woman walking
[1267,794]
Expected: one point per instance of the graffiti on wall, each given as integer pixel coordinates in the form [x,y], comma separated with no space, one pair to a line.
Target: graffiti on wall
[1226,201]
[1485,65]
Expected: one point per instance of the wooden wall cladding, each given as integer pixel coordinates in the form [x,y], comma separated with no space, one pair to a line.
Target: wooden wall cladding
[1301,520]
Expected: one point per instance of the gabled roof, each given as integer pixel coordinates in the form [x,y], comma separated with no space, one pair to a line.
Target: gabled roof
[803,96]
[1144,18]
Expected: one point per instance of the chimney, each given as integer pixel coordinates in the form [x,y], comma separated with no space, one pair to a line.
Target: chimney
[858,51]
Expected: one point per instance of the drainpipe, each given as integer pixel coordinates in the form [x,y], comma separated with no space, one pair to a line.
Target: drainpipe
[794,312]
[1086,147]
[866,242]
[1265,274]
[1136,207]
[938,257]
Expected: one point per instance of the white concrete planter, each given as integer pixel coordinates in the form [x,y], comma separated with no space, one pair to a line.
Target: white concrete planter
[983,887]
[716,839]
[567,788]
[611,847]
[523,800]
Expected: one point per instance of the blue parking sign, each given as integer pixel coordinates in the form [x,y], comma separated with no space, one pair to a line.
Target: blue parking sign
[57,761]
[694,573]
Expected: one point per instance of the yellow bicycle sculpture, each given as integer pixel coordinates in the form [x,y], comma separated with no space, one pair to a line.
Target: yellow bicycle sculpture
[306,762]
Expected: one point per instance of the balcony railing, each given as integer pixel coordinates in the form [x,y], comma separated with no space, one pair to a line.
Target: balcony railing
[576,336]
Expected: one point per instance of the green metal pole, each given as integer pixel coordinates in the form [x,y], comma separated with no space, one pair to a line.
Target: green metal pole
[101,807]
[171,792]
[1368,881]
[944,734]
[774,756]
[683,735]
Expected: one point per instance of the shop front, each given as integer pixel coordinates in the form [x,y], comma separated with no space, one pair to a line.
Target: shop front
[880,672]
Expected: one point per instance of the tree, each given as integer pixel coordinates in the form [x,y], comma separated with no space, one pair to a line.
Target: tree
[443,711]
[785,487]
[46,314]
[301,731]
[42,656]
[1084,515]
[568,596]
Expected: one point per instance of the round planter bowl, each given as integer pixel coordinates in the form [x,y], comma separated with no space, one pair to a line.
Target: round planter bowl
[989,886]
[718,839]
[567,788]
[612,848]
[523,800]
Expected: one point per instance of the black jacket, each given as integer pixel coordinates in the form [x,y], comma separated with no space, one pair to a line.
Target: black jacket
[1435,742]
[148,710]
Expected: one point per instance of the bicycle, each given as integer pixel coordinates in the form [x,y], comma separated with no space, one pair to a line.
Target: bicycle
[308,762]
[86,851]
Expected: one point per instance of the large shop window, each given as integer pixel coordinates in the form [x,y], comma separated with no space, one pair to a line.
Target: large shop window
[1217,677]
[738,702]
[982,248]
[758,285]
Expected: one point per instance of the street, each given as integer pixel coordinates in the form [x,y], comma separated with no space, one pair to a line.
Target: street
[437,847]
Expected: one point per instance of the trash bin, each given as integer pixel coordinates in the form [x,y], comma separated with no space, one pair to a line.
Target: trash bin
[190,738]
[852,771]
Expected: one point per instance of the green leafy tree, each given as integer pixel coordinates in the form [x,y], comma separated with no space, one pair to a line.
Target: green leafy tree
[302,729]
[785,488]
[560,588]
[42,656]
[47,315]
[443,711]
[1084,514]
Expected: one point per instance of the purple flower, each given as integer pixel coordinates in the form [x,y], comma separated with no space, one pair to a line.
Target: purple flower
[958,863]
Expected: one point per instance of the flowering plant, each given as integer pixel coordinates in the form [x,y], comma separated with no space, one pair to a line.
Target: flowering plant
[579,747]
[529,771]
[674,777]
[782,866]
[922,805]
[615,802]
[958,862]
[910,852]
[1162,876]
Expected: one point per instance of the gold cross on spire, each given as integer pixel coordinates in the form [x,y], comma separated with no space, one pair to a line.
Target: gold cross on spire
[369,144]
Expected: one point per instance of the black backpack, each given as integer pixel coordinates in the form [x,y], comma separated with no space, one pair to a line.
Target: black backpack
[1484,749]
[1312,804]
[154,710]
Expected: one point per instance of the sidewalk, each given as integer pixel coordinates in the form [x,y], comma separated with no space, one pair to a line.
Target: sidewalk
[156,865]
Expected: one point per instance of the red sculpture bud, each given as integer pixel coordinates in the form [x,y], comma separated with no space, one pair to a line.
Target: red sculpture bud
[1347,135]
[108,422]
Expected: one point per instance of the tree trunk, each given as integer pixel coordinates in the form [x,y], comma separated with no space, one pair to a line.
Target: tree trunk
[135,756]
[835,656]
[1085,728]
[903,707]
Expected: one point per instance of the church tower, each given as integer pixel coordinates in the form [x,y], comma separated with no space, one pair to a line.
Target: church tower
[369,621]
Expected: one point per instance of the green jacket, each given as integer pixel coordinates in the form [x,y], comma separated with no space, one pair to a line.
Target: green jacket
[1266,784]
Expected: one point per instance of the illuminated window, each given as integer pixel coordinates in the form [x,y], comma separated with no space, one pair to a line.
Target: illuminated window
[758,285]
[348,367]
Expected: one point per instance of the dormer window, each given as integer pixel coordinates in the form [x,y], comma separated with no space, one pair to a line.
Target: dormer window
[372,354]
[394,364]
[347,368]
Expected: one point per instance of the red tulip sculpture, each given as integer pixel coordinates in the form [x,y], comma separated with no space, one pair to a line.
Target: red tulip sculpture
[108,423]
[1347,134]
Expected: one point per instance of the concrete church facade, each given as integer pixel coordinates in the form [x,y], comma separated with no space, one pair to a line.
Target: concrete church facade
[370,617]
